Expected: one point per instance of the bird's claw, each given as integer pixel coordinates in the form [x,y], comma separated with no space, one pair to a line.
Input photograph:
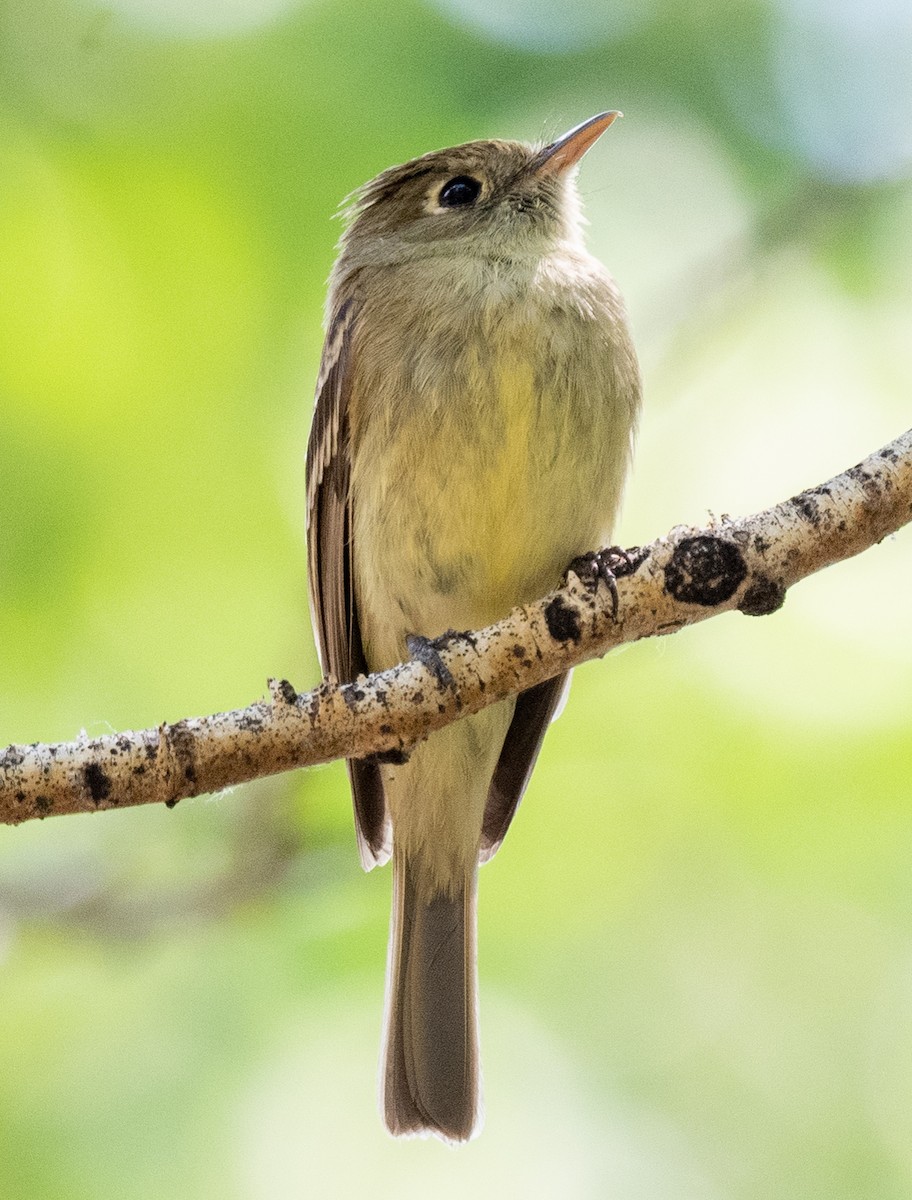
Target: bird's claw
[423,650]
[608,565]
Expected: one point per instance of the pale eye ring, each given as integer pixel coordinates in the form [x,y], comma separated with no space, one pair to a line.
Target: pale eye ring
[459,192]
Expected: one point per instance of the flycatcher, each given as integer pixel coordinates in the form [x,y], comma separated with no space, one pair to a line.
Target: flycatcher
[475,411]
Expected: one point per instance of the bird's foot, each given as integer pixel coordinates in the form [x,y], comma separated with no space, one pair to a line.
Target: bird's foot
[425,651]
[608,565]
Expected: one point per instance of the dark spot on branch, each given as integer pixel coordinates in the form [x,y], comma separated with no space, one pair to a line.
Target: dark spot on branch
[705,570]
[43,805]
[518,651]
[97,783]
[807,506]
[764,596]
[872,484]
[173,802]
[563,620]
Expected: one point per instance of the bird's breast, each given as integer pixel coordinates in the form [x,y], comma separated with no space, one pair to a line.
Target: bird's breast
[489,449]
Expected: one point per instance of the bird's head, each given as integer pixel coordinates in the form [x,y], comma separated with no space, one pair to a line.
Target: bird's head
[493,198]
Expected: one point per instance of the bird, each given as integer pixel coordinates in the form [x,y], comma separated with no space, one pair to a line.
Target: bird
[475,414]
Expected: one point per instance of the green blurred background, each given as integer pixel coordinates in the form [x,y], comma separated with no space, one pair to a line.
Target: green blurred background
[696,945]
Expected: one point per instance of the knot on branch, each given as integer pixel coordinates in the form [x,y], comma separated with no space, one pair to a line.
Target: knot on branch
[705,570]
[763,596]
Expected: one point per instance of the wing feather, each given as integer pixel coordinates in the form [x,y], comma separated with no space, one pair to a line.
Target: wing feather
[535,709]
[329,553]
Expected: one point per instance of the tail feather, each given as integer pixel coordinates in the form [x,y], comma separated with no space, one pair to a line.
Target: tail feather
[431,1076]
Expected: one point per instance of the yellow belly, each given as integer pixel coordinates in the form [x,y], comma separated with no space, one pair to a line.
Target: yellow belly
[478,506]
[487,497]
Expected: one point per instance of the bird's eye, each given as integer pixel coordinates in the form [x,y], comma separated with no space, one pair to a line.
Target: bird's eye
[459,191]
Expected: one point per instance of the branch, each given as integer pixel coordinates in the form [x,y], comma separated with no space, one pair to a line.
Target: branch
[688,576]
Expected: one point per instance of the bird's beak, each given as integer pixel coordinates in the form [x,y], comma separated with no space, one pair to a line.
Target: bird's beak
[568,150]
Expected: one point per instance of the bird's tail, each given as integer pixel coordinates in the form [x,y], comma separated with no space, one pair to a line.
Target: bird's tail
[431,1074]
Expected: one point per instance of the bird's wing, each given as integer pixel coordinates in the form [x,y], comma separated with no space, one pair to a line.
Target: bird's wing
[534,712]
[329,554]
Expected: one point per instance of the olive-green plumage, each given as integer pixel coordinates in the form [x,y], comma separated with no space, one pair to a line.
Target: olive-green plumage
[475,414]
